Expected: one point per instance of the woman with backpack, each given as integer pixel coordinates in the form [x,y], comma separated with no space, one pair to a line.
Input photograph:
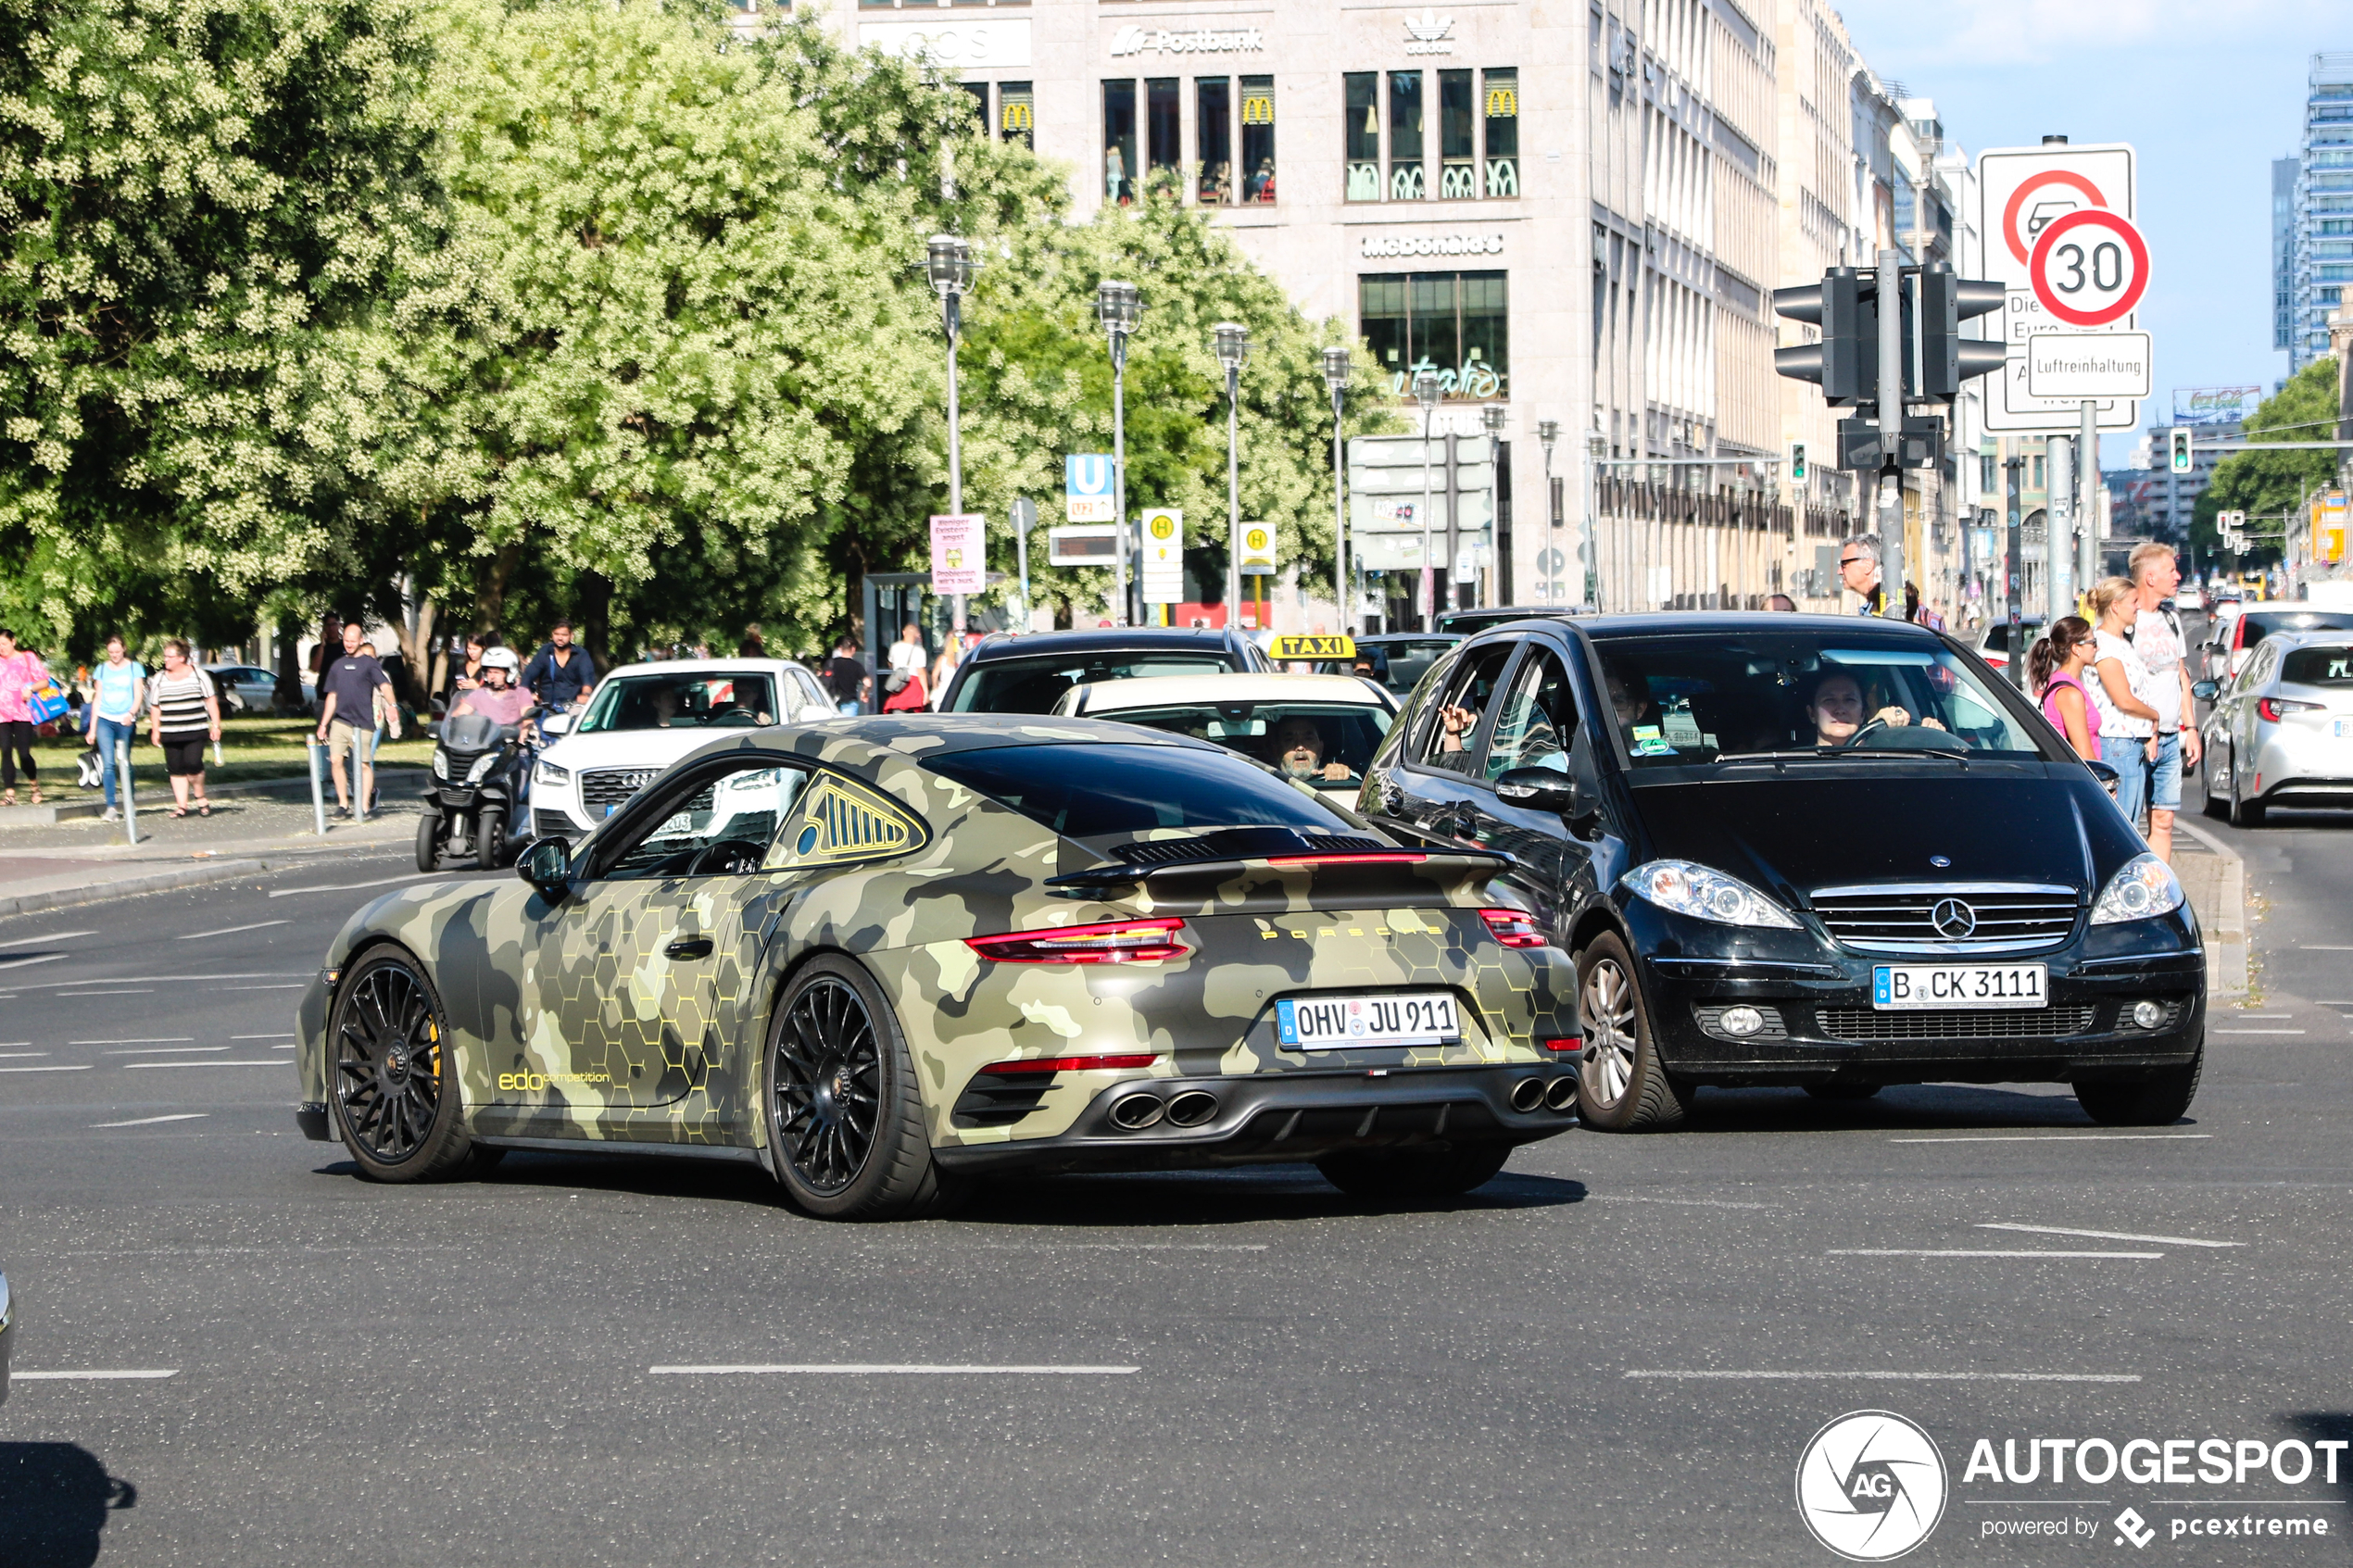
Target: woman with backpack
[21,674]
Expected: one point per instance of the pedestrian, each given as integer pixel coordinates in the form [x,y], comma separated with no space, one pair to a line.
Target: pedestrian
[943,669]
[560,675]
[114,710]
[907,661]
[184,712]
[752,647]
[347,717]
[845,677]
[1781,603]
[21,673]
[2156,637]
[468,675]
[1858,571]
[2128,720]
[2056,668]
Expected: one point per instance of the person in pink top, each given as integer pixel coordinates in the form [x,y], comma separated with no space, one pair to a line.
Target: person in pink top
[495,699]
[20,672]
[2056,667]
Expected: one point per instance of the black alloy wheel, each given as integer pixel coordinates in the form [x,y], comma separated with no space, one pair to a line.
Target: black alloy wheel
[846,1126]
[1621,1085]
[395,1087]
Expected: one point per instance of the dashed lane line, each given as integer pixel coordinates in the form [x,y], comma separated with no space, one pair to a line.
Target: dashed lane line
[151,1121]
[1967,1253]
[139,1040]
[49,936]
[163,1050]
[229,930]
[268,1061]
[844,1368]
[95,1375]
[1883,1377]
[2105,1235]
[2062,1138]
[77,1067]
[37,958]
[356,886]
[280,1036]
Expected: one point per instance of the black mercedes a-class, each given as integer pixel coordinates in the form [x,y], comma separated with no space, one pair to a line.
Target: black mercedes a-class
[1826,852]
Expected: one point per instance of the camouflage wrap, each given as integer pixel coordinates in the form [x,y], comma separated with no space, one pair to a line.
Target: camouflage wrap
[571,1020]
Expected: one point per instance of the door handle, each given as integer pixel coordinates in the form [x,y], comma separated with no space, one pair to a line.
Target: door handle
[688,947]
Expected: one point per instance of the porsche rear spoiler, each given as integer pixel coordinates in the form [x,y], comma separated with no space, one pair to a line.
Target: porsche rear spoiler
[1346,876]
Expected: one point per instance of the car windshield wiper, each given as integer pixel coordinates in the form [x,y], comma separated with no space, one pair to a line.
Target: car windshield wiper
[1958,754]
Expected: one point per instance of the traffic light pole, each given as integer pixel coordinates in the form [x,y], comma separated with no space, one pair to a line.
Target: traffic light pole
[1891,438]
[2087,474]
[2058,542]
[2014,576]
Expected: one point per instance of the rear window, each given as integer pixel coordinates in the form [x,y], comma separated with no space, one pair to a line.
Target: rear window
[1035,685]
[2318,666]
[2261,623]
[1122,791]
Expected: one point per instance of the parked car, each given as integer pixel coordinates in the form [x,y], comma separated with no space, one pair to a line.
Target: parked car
[1277,719]
[1807,850]
[1029,673]
[2234,638]
[1994,640]
[1397,660]
[1463,623]
[643,717]
[248,688]
[2281,733]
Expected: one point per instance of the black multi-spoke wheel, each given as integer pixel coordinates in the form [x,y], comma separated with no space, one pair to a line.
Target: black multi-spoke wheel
[394,1090]
[1622,1083]
[845,1114]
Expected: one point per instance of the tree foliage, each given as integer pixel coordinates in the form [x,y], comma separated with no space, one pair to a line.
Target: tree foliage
[2270,486]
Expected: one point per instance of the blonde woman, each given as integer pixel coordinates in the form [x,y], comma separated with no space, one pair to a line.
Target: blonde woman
[2122,693]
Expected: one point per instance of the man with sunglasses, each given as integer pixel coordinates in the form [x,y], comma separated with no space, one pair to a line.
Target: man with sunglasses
[1859,570]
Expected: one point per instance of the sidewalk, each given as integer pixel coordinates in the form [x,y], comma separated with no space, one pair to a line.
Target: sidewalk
[2215,879]
[87,861]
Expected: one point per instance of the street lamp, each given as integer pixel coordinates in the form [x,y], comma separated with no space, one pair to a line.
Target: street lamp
[1426,394]
[951,262]
[1118,308]
[1336,364]
[1231,340]
[1492,416]
[1597,449]
[1548,432]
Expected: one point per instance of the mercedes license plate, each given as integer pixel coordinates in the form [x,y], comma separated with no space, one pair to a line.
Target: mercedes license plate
[1899,986]
[1334,1023]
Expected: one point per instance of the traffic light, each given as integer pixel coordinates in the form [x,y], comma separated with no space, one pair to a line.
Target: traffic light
[1797,462]
[2179,449]
[1844,305]
[1947,357]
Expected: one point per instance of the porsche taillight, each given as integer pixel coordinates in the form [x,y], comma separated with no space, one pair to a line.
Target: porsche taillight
[1513,928]
[1126,941]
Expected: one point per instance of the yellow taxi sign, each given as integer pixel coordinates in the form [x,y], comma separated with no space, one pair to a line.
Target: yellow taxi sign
[1304,646]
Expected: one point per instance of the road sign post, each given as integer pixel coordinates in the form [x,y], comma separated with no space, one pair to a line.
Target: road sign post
[1024,518]
[2014,573]
[1163,556]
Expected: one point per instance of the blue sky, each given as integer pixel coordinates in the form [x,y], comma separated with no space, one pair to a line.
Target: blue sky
[2208,93]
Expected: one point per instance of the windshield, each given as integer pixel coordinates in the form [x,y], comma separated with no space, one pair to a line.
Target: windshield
[1323,743]
[1681,700]
[2261,623]
[2318,666]
[1035,684]
[1139,791]
[1398,665]
[705,699]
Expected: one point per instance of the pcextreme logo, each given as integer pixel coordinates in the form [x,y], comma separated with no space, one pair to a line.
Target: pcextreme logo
[1870,1485]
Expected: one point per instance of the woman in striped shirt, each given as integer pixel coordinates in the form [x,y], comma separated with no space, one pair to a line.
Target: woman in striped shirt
[184,712]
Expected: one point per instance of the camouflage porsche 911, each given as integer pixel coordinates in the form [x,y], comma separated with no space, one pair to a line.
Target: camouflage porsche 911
[881,956]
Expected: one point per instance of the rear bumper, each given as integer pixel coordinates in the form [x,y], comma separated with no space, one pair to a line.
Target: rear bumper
[1281,1118]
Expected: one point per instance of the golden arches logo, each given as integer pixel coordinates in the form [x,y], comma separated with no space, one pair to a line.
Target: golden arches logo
[1017,117]
[1502,102]
[1258,108]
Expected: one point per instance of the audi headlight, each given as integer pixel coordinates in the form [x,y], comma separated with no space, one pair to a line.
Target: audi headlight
[481,770]
[2144,888]
[1695,890]
[548,773]
[440,764]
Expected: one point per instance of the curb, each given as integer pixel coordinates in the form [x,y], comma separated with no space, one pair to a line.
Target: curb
[124,887]
[24,816]
[2224,928]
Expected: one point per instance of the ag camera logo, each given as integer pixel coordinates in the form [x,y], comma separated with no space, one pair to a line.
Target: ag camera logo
[1870,1485]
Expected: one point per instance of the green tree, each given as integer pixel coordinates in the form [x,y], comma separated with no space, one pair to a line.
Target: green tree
[2270,486]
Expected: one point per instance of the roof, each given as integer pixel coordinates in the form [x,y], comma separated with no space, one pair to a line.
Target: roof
[865,742]
[703,666]
[1239,686]
[1002,645]
[1661,622]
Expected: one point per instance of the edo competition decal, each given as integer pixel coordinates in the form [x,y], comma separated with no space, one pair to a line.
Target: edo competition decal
[536,1083]
[1870,1485]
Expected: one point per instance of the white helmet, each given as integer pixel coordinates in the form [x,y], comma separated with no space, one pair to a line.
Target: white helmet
[501,658]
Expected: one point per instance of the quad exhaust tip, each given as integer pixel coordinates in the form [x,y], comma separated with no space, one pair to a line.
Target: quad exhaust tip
[1192,1109]
[1135,1112]
[1561,1095]
[1527,1095]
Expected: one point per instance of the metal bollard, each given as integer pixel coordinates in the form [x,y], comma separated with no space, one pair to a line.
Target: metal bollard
[318,801]
[122,787]
[363,772]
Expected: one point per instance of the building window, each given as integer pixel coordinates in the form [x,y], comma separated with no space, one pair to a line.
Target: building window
[1361,135]
[1017,113]
[1406,181]
[979,90]
[1119,143]
[1502,133]
[1458,138]
[1258,139]
[1163,128]
[1214,136]
[1453,323]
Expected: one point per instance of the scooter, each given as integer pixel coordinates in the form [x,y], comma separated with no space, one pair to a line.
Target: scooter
[478,811]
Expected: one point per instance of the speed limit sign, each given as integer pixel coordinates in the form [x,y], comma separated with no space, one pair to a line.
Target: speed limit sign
[2090,268]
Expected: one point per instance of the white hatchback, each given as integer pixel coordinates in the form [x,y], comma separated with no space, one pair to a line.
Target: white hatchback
[643,717]
[1321,729]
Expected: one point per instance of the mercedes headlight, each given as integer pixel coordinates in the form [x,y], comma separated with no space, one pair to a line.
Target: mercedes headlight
[1695,890]
[481,770]
[2145,887]
[440,764]
[548,773]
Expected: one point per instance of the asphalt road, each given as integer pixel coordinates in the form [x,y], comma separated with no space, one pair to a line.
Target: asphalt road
[1567,1367]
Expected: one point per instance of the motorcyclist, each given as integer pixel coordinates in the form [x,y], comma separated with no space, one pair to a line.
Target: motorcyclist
[497,699]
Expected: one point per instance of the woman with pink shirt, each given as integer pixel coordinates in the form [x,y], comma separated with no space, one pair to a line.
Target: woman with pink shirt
[21,672]
[2055,668]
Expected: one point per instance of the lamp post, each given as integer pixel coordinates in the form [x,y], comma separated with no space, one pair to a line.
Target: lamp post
[1499,537]
[1547,433]
[1118,308]
[1426,394]
[952,263]
[1336,362]
[1597,448]
[1231,340]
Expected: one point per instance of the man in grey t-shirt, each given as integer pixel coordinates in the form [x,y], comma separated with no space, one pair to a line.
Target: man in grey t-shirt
[2156,637]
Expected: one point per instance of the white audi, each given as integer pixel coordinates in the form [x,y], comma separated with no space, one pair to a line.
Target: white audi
[643,717]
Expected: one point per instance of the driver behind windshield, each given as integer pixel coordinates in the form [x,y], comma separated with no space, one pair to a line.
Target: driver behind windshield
[1836,705]
[1299,751]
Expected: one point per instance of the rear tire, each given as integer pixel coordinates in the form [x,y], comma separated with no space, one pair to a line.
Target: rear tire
[1406,1177]
[490,836]
[2217,805]
[2158,1099]
[393,1089]
[1621,1085]
[429,841]
[2243,813]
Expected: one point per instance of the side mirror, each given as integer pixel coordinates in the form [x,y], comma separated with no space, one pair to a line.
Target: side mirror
[1539,789]
[546,865]
[555,723]
[2105,773]
[2206,690]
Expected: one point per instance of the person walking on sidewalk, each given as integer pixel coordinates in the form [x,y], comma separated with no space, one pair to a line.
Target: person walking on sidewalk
[347,716]
[184,712]
[121,694]
[845,677]
[2156,637]
[21,672]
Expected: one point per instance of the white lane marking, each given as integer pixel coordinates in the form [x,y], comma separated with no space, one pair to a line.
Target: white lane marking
[233,990]
[142,1373]
[1679,1202]
[2316,947]
[139,1040]
[140,991]
[164,1051]
[160,979]
[20,963]
[1965,1252]
[151,1121]
[15,1056]
[1907,1376]
[847,1368]
[273,1062]
[2259,1030]
[2105,1235]
[1122,1246]
[280,1036]
[2060,1138]
[356,886]
[78,1067]
[55,936]
[229,930]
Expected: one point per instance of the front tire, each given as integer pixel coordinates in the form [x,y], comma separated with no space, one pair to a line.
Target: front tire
[2158,1099]
[395,1094]
[1621,1085]
[490,836]
[429,841]
[845,1112]
[1404,1177]
[2243,813]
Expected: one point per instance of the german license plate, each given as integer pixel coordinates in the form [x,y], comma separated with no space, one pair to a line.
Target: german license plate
[1336,1023]
[1897,987]
[2343,728]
